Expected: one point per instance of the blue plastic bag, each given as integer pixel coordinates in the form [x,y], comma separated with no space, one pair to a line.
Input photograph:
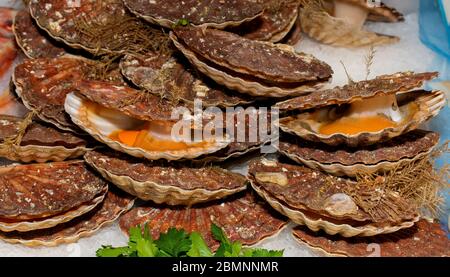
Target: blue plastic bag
[435,34]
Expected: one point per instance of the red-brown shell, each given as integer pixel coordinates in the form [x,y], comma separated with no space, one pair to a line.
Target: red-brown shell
[381,85]
[115,204]
[134,103]
[274,24]
[44,83]
[38,134]
[42,190]
[408,145]
[307,190]
[243,218]
[424,239]
[173,78]
[260,60]
[165,174]
[33,41]
[217,13]
[60,19]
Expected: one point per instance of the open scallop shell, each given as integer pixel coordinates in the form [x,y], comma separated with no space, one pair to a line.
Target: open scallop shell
[114,205]
[39,143]
[31,40]
[243,218]
[100,126]
[217,14]
[379,11]
[424,239]
[321,26]
[319,206]
[169,184]
[316,74]
[26,226]
[417,108]
[380,157]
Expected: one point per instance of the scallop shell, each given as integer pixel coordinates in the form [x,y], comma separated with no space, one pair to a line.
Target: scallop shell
[110,114]
[344,161]
[43,84]
[242,82]
[218,14]
[295,34]
[114,205]
[49,222]
[379,11]
[319,205]
[173,78]
[39,143]
[319,25]
[243,217]
[170,184]
[424,239]
[31,39]
[60,19]
[428,105]
[36,191]
[275,23]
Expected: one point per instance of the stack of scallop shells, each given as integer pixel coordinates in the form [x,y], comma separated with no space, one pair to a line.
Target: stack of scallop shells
[101,80]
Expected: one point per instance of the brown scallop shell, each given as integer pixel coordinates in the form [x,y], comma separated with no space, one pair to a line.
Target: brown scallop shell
[321,26]
[243,218]
[174,79]
[381,85]
[39,143]
[424,239]
[232,52]
[418,107]
[115,204]
[60,18]
[379,11]
[36,191]
[49,222]
[275,23]
[160,182]
[101,109]
[218,14]
[43,84]
[347,161]
[32,40]
[295,34]
[306,197]
[247,84]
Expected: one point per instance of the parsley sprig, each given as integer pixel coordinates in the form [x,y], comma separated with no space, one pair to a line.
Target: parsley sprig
[178,243]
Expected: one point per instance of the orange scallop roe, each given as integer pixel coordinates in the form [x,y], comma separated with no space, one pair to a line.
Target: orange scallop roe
[354,125]
[143,139]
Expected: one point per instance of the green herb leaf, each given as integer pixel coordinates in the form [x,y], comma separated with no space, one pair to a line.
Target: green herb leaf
[199,247]
[219,234]
[109,251]
[175,243]
[263,253]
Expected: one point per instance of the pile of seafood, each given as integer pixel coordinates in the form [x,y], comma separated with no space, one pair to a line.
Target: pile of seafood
[101,80]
